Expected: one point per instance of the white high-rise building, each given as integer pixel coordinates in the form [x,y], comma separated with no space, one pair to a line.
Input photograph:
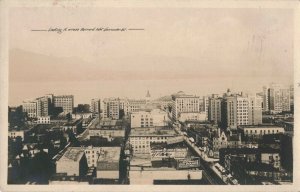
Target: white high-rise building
[184,103]
[242,110]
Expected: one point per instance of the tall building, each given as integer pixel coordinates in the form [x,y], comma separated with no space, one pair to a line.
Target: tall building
[184,103]
[38,107]
[203,105]
[134,105]
[229,111]
[286,99]
[279,98]
[214,109]
[43,105]
[30,107]
[255,109]
[112,107]
[95,106]
[265,106]
[64,101]
[240,109]
[206,104]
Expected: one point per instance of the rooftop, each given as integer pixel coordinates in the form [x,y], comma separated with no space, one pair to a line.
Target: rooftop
[72,154]
[152,131]
[107,123]
[234,151]
[110,154]
[259,126]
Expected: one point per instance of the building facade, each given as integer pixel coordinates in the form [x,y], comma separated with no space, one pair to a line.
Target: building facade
[214,109]
[64,101]
[30,107]
[261,130]
[183,103]
[95,106]
[279,98]
[43,120]
[141,139]
[148,118]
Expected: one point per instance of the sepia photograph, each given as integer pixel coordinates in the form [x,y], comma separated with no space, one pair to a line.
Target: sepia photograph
[154,95]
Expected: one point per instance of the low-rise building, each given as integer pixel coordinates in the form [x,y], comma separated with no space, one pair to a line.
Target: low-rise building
[73,162]
[200,116]
[13,134]
[161,151]
[43,120]
[165,175]
[221,139]
[106,133]
[260,130]
[75,126]
[93,154]
[250,165]
[140,139]
[145,170]
[108,164]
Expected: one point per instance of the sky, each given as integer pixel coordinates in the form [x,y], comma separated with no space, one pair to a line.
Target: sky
[196,50]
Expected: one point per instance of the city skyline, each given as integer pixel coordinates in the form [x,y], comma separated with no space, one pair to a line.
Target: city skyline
[88,100]
[203,52]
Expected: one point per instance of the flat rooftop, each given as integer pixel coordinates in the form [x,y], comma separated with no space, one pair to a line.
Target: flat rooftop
[72,154]
[152,131]
[259,126]
[106,123]
[109,154]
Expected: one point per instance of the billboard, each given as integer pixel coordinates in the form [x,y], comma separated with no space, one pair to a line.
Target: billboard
[188,163]
[169,153]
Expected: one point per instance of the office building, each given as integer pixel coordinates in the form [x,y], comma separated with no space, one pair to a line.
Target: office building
[279,98]
[112,107]
[255,110]
[214,109]
[95,106]
[260,130]
[229,110]
[30,108]
[183,103]
[265,106]
[240,109]
[66,102]
[149,118]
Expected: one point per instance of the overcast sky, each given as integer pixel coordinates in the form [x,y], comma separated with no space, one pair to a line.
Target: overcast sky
[199,51]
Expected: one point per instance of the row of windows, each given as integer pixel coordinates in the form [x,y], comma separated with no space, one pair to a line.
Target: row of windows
[261,131]
[143,138]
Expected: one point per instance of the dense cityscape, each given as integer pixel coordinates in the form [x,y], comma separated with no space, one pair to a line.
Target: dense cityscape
[234,138]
